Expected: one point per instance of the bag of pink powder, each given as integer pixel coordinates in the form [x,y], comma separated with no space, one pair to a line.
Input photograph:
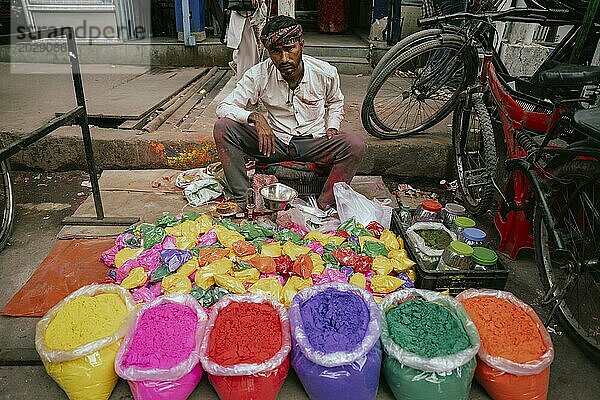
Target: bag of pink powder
[246,347]
[335,334]
[160,354]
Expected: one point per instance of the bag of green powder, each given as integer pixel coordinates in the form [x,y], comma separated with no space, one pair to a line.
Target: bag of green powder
[429,240]
[429,345]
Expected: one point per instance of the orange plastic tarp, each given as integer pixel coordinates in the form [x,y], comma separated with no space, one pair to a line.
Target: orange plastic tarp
[70,265]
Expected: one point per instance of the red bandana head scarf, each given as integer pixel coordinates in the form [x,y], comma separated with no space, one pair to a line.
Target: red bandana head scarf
[282,37]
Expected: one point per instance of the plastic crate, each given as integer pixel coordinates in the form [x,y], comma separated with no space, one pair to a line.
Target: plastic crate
[306,188]
[453,281]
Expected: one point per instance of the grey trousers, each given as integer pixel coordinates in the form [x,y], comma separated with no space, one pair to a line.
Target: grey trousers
[342,153]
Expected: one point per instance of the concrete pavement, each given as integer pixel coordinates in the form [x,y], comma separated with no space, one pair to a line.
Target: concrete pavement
[33,98]
[41,205]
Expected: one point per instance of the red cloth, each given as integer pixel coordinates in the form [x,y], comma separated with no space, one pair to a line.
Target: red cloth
[332,16]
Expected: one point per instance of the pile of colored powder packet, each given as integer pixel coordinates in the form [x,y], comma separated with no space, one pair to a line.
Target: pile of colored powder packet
[210,258]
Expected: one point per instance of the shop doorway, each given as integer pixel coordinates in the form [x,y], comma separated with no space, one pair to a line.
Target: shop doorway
[163,18]
[337,16]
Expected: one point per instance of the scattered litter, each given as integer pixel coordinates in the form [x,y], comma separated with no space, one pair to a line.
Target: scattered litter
[451,186]
[80,194]
[38,177]
[86,184]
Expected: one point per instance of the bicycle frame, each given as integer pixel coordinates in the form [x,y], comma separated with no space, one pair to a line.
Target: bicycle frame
[513,219]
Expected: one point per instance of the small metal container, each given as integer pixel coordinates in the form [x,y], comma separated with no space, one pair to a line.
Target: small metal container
[277,196]
[450,212]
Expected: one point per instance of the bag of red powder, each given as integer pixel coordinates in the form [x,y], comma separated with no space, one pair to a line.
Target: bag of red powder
[335,334]
[245,350]
[160,354]
[516,351]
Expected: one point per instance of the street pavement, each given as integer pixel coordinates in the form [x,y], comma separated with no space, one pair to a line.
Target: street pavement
[43,199]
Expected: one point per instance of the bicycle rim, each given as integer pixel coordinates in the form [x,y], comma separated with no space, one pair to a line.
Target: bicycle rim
[475,153]
[6,201]
[577,198]
[418,88]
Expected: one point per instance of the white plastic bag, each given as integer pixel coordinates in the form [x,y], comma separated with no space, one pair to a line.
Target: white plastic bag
[420,243]
[350,203]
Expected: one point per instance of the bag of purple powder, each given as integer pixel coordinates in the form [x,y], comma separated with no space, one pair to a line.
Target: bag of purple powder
[160,354]
[335,334]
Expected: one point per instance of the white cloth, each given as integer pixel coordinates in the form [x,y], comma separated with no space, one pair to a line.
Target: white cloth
[314,106]
[241,37]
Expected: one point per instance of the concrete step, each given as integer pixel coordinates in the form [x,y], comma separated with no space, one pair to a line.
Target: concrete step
[350,65]
[324,51]
[425,156]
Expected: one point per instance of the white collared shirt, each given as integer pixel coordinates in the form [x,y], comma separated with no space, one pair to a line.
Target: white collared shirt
[316,104]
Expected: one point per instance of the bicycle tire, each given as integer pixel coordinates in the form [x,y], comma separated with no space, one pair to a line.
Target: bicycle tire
[578,322]
[476,191]
[395,50]
[375,101]
[6,198]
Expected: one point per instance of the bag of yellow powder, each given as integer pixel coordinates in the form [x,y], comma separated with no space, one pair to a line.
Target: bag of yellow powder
[78,340]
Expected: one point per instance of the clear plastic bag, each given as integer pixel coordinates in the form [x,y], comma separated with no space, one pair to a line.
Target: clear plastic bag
[176,382]
[435,364]
[430,257]
[411,376]
[350,203]
[213,368]
[248,381]
[505,379]
[86,371]
[338,358]
[341,375]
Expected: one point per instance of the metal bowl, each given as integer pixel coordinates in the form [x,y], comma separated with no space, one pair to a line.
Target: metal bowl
[277,196]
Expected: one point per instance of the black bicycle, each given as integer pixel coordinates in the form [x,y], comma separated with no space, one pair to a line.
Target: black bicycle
[550,195]
[417,83]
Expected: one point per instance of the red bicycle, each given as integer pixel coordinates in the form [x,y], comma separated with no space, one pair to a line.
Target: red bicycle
[550,199]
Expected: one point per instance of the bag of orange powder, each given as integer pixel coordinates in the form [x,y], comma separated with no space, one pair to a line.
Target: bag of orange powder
[516,350]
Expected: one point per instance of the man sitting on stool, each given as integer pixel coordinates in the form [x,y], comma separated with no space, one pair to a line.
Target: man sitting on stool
[304,106]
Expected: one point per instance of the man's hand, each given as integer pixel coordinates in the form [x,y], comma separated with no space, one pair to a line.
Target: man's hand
[266,139]
[331,132]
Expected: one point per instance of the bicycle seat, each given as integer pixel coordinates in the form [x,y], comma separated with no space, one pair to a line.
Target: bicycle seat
[588,121]
[568,75]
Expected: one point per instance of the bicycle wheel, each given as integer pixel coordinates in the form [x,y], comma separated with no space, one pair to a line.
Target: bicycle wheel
[574,201]
[475,151]
[398,48]
[6,201]
[419,87]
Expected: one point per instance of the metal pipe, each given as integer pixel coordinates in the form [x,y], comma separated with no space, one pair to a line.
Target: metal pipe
[188,39]
[83,122]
